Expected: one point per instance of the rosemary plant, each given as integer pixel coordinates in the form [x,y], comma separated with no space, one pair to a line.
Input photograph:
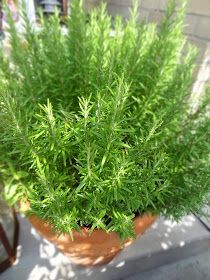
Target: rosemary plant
[95,120]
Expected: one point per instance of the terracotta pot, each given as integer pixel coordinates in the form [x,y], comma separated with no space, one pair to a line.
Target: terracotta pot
[98,248]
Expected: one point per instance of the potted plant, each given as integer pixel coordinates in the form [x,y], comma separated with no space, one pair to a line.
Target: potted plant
[97,131]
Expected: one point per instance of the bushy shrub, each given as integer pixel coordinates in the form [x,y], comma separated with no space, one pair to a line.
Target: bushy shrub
[95,120]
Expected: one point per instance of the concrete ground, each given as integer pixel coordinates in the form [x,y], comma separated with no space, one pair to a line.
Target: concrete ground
[194,268]
[165,242]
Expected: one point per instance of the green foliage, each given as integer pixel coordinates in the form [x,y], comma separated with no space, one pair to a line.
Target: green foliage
[95,120]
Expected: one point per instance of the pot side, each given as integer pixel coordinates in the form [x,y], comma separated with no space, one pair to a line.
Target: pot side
[96,249]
